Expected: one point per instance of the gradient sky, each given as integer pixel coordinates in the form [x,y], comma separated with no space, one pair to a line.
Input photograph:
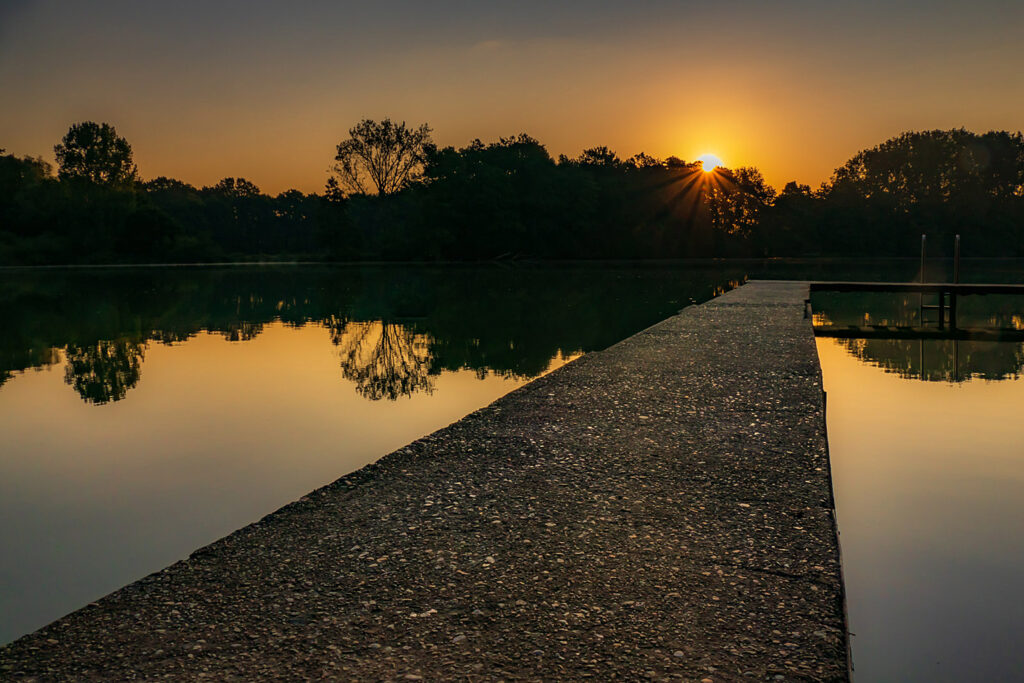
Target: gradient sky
[264,90]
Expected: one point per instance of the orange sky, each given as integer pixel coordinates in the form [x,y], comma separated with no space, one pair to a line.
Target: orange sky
[204,90]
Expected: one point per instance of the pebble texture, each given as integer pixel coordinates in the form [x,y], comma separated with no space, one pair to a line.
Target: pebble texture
[661,510]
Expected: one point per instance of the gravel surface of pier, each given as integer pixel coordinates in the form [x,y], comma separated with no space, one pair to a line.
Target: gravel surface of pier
[661,509]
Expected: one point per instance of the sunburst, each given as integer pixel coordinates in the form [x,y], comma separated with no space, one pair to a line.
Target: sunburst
[710,162]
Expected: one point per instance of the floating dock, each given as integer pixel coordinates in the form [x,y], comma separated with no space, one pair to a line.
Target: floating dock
[661,509]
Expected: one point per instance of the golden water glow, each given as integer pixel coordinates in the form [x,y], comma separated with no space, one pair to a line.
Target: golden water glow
[215,434]
[927,479]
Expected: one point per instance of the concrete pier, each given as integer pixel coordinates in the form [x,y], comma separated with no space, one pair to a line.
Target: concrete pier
[661,509]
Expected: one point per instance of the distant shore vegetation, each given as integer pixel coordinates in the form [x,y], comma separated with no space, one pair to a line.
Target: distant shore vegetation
[393,195]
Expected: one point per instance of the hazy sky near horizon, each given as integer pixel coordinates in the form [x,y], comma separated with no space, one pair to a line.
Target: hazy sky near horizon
[265,90]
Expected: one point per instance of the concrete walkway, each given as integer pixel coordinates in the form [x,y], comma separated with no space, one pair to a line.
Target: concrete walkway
[661,509]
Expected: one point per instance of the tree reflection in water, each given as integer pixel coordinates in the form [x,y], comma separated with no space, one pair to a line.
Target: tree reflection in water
[945,360]
[242,331]
[104,371]
[15,360]
[395,329]
[384,360]
[932,360]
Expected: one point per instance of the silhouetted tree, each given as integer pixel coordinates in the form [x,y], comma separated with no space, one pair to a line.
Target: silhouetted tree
[22,183]
[384,157]
[237,188]
[736,199]
[595,156]
[95,152]
[644,160]
[148,234]
[393,195]
[935,166]
[243,217]
[165,184]
[936,182]
[502,199]
[791,225]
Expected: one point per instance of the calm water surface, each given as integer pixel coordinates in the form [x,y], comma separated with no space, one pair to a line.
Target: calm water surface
[927,448]
[147,412]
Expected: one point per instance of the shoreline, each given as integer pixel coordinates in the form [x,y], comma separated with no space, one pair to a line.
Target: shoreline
[796,260]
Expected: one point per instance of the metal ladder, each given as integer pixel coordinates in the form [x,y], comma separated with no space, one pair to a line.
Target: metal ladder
[947,299]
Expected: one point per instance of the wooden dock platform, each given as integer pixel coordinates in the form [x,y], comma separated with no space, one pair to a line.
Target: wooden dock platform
[958,288]
[945,308]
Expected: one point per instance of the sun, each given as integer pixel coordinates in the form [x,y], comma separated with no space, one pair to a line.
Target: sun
[710,162]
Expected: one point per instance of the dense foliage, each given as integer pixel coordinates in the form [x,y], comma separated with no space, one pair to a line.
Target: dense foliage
[511,199]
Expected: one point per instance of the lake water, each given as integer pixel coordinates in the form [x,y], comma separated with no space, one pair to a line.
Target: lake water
[926,440]
[147,412]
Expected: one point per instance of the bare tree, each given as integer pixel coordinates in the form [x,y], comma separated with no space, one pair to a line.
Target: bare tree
[384,157]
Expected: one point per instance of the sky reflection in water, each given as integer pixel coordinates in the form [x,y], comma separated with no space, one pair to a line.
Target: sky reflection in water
[145,413]
[928,467]
[148,412]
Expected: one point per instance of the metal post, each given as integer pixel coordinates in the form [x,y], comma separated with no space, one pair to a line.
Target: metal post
[956,280]
[921,297]
[942,308]
[920,359]
[956,259]
[956,359]
[923,240]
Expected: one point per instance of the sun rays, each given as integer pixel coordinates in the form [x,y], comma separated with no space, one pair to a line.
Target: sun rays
[697,179]
[710,162]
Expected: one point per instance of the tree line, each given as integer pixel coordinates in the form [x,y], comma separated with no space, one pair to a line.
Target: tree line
[394,195]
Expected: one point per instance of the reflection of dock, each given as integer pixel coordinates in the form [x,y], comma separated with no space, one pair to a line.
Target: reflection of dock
[946,308]
[893,332]
[955,352]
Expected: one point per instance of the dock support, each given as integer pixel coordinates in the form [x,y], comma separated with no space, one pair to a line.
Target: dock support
[942,309]
[924,239]
[956,281]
